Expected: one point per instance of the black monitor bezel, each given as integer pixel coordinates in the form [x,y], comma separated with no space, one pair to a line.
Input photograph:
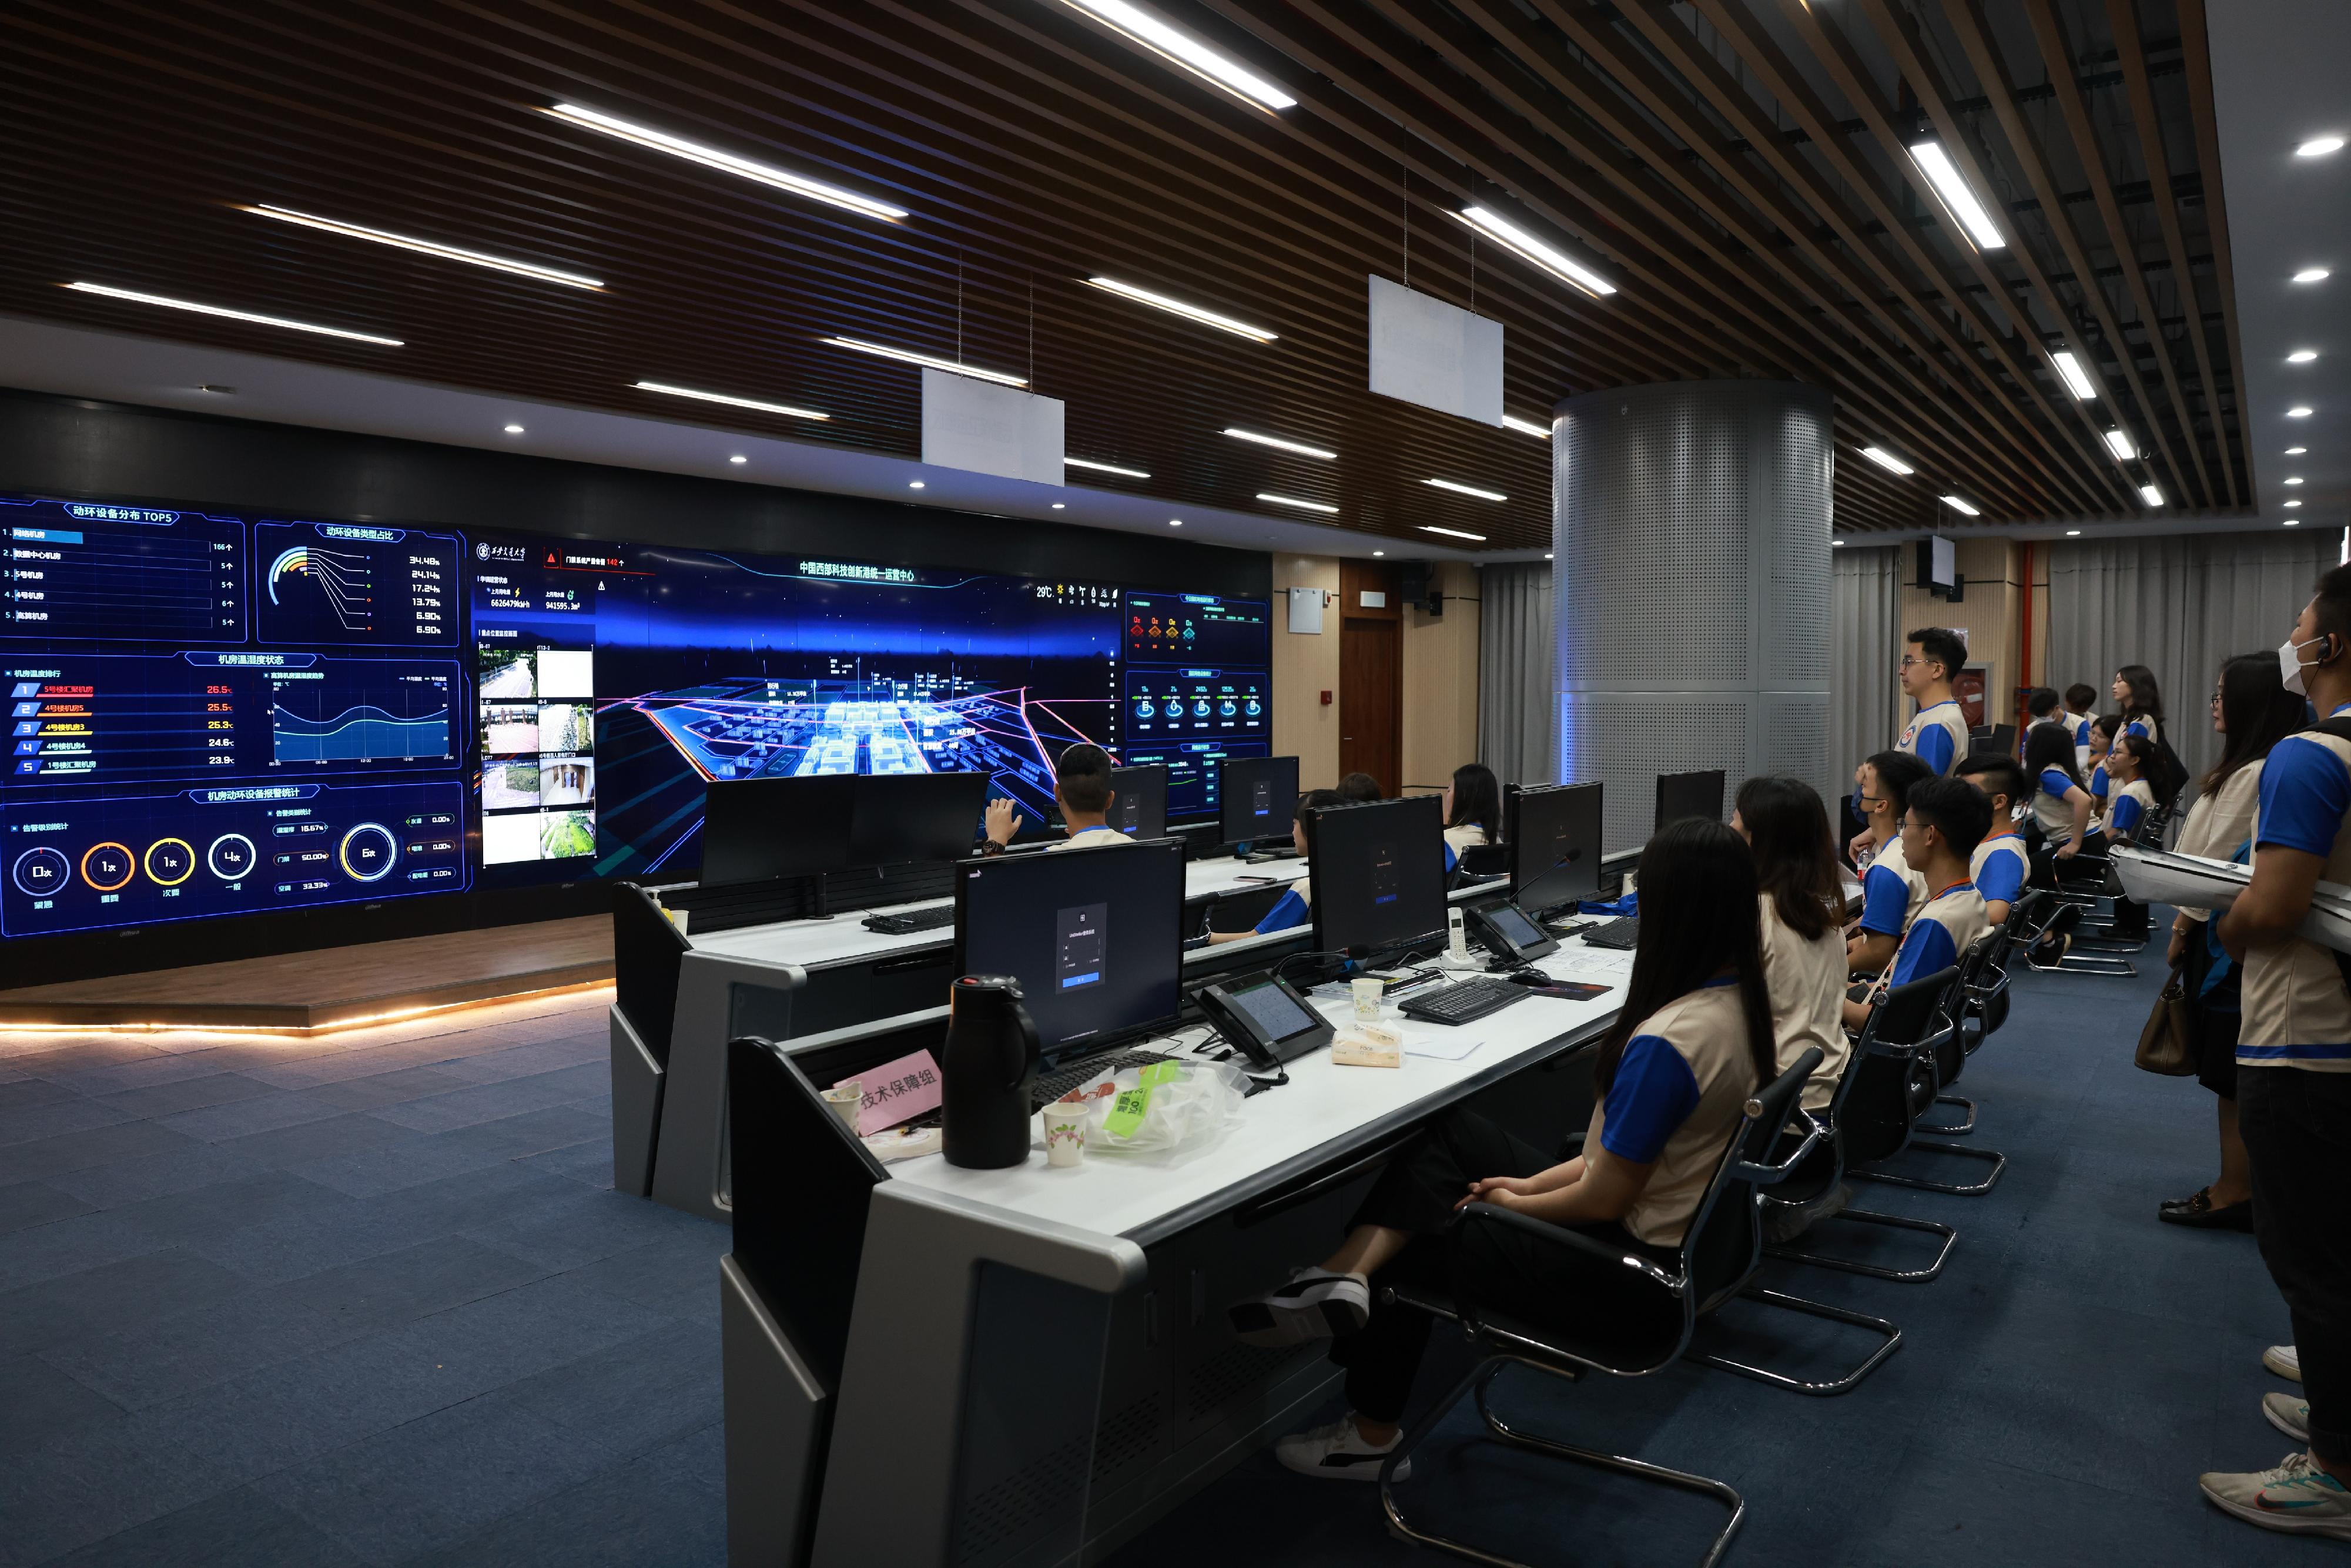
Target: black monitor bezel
[1521,844]
[1225,821]
[810,804]
[1156,827]
[1433,805]
[1721,783]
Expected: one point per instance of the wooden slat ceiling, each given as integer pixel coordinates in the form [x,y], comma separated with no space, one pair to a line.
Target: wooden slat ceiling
[1736,167]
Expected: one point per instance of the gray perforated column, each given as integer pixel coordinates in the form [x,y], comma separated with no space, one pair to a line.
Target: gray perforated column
[1691,525]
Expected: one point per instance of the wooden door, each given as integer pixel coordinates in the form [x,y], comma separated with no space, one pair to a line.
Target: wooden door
[1371,700]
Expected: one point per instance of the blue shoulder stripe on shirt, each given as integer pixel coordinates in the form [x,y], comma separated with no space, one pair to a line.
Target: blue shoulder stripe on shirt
[1651,1096]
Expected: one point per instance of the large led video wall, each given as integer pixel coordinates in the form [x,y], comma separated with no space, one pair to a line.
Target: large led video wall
[213,713]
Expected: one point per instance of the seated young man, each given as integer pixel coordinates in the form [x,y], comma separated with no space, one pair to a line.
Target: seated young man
[1297,903]
[2000,863]
[1946,820]
[1081,788]
[1891,891]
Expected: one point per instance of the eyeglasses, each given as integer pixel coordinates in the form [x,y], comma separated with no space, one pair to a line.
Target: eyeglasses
[1911,659]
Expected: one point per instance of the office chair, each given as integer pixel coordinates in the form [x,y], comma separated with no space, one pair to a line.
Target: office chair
[1976,965]
[648,950]
[2053,922]
[1929,1059]
[1484,860]
[1717,1255]
[1871,1113]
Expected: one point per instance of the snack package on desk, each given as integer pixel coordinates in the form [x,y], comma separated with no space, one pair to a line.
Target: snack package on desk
[1165,1113]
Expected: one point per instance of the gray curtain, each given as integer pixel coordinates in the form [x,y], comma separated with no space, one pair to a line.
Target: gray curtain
[1865,632]
[2180,605]
[1517,660]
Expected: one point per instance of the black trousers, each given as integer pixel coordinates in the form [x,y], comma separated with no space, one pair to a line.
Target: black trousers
[1515,1275]
[2297,1128]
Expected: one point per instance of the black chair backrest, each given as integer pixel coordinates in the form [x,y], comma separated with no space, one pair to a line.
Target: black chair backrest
[1951,1048]
[647,948]
[1725,1240]
[1874,1119]
[1485,860]
[802,1187]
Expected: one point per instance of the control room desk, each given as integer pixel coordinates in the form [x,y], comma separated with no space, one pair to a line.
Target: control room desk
[798,977]
[1037,1364]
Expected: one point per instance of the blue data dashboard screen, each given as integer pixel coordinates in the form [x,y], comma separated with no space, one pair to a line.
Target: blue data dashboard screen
[212,715]
[216,714]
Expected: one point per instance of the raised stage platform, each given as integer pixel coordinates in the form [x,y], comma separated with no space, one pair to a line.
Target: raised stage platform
[332,987]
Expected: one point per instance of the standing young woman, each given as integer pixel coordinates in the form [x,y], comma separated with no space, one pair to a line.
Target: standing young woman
[2252,711]
[2102,731]
[1694,1041]
[1473,810]
[2140,700]
[1801,906]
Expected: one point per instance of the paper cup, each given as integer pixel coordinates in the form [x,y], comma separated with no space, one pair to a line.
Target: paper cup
[1367,994]
[1064,1124]
[845,1099]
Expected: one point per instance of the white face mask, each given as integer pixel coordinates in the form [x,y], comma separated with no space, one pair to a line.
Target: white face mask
[2290,664]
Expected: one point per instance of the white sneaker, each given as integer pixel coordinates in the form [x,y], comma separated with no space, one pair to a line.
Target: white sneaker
[2297,1497]
[1338,1452]
[2282,1360]
[2288,1415]
[1315,1304]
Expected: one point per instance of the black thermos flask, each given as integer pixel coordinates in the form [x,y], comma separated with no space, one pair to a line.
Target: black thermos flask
[990,1067]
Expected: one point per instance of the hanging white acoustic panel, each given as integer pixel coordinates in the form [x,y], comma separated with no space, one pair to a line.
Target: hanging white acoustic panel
[1434,354]
[986,429]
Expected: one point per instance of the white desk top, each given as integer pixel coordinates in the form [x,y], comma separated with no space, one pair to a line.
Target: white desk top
[841,938]
[1322,1101]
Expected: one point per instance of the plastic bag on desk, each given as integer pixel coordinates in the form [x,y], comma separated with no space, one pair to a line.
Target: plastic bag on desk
[1166,1112]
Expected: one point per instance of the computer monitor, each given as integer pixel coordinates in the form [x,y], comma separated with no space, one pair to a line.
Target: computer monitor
[1681,795]
[903,817]
[1552,833]
[1138,806]
[1095,936]
[1378,873]
[1256,796]
[755,829]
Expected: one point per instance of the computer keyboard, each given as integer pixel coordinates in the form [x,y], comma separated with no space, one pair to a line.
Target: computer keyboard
[1624,933]
[1465,1001]
[1051,1086]
[912,920]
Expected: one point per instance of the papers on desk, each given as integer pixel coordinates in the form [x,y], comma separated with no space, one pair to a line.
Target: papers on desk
[1447,1045]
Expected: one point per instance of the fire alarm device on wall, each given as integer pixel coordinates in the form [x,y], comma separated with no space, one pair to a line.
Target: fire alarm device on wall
[1326,700]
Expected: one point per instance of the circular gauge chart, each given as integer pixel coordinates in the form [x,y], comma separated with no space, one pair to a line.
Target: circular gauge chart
[108,867]
[38,872]
[368,852]
[171,862]
[231,857]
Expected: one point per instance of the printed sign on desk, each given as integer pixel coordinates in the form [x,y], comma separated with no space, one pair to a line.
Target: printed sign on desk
[896,1091]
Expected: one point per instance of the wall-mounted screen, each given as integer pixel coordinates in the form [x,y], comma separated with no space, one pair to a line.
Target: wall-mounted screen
[213,713]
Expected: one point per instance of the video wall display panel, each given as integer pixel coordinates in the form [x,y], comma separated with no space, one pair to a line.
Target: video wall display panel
[215,714]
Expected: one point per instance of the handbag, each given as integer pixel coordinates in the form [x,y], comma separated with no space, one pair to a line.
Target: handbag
[2168,1044]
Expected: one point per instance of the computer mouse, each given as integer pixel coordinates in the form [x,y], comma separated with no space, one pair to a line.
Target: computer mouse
[1531,978]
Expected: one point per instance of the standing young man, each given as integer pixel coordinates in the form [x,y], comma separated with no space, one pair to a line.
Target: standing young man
[1938,734]
[2000,863]
[1946,820]
[2294,1078]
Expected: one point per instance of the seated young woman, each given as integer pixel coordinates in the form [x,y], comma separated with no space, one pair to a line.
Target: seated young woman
[1801,906]
[1296,903]
[1692,1042]
[1473,810]
[2061,803]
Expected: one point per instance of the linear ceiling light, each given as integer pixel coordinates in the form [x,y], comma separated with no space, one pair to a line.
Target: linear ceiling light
[1190,312]
[1526,426]
[2152,495]
[2290,505]
[1294,501]
[2120,443]
[2295,451]
[1467,490]
[727,163]
[912,358]
[1181,49]
[2312,275]
[1103,467]
[426,246]
[1958,199]
[1886,460]
[171,304]
[2300,410]
[2302,356]
[1511,237]
[1451,533]
[782,408]
[1962,507]
[1298,446]
[2077,380]
[2291,479]
[2319,147]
